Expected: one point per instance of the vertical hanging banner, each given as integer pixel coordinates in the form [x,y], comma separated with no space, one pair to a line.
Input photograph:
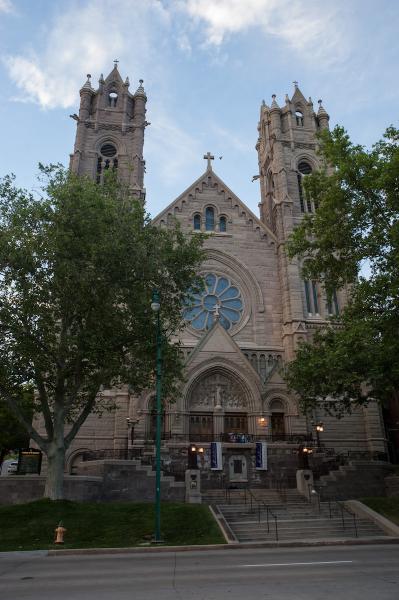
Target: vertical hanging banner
[261,456]
[216,456]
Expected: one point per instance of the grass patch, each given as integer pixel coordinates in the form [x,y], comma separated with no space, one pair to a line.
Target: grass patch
[388,507]
[103,525]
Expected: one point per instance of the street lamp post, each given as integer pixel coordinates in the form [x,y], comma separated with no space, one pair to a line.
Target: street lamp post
[155,307]
[319,429]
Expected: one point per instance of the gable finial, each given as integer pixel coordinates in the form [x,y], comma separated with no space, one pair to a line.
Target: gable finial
[87,85]
[208,156]
[274,102]
[295,84]
[116,63]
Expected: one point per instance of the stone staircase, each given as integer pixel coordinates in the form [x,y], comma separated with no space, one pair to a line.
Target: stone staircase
[357,479]
[295,519]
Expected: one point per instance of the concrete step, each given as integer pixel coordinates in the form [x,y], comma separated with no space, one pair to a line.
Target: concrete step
[297,520]
[254,527]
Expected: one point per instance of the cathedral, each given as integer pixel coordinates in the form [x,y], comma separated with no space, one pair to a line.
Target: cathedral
[251,315]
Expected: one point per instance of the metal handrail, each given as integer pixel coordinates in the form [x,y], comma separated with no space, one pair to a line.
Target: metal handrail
[343,509]
[312,493]
[352,514]
[259,504]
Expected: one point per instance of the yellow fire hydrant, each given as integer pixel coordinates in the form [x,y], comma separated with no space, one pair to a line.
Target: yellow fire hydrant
[59,533]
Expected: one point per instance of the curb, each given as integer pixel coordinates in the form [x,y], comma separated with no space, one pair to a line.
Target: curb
[364,511]
[237,546]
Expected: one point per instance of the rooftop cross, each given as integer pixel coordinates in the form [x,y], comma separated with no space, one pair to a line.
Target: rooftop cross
[116,63]
[295,84]
[208,156]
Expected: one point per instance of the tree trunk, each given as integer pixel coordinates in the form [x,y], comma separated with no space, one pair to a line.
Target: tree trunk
[54,488]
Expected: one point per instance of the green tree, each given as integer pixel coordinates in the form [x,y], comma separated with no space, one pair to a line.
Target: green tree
[78,266]
[13,434]
[355,229]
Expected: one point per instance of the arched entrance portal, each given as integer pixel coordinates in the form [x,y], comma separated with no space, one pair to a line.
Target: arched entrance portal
[218,408]
[277,419]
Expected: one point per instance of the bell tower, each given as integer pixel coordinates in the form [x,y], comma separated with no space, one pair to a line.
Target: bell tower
[287,151]
[110,132]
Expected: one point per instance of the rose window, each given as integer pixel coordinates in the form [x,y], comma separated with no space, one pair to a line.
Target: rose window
[219,298]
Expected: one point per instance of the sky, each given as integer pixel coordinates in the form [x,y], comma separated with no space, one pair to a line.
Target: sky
[206,64]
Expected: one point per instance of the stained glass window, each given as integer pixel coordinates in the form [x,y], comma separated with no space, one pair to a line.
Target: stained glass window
[197,222]
[209,219]
[219,297]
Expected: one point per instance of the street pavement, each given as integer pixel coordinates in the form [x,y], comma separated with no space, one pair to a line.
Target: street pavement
[340,572]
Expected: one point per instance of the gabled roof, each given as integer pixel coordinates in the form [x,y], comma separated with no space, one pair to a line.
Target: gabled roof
[221,187]
[298,97]
[218,342]
[114,76]
[274,377]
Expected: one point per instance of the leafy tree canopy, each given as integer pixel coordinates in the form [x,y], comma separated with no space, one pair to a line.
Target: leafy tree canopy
[355,229]
[13,434]
[78,266]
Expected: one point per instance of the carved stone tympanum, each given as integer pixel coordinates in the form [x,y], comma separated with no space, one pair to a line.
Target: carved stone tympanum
[218,390]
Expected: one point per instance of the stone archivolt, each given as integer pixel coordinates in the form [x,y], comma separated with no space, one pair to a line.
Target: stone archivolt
[218,390]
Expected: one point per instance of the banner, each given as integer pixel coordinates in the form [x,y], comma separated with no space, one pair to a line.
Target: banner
[261,456]
[216,456]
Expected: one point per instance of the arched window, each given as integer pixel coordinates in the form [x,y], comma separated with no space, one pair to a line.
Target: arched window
[197,222]
[311,297]
[307,297]
[112,99]
[107,159]
[299,118]
[304,169]
[209,219]
[332,304]
[222,224]
[315,297]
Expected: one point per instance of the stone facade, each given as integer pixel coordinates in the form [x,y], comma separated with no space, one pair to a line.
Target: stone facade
[110,132]
[255,308]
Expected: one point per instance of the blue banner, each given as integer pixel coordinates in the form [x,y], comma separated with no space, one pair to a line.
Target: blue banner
[261,456]
[216,456]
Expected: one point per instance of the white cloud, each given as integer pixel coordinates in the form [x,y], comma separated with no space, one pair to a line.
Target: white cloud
[86,38]
[183,41]
[83,39]
[309,27]
[6,6]
[231,140]
[177,148]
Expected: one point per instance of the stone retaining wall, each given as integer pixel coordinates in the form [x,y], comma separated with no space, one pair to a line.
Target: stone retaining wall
[103,481]
[392,485]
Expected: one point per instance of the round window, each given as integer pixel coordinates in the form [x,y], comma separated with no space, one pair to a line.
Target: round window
[108,150]
[220,297]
